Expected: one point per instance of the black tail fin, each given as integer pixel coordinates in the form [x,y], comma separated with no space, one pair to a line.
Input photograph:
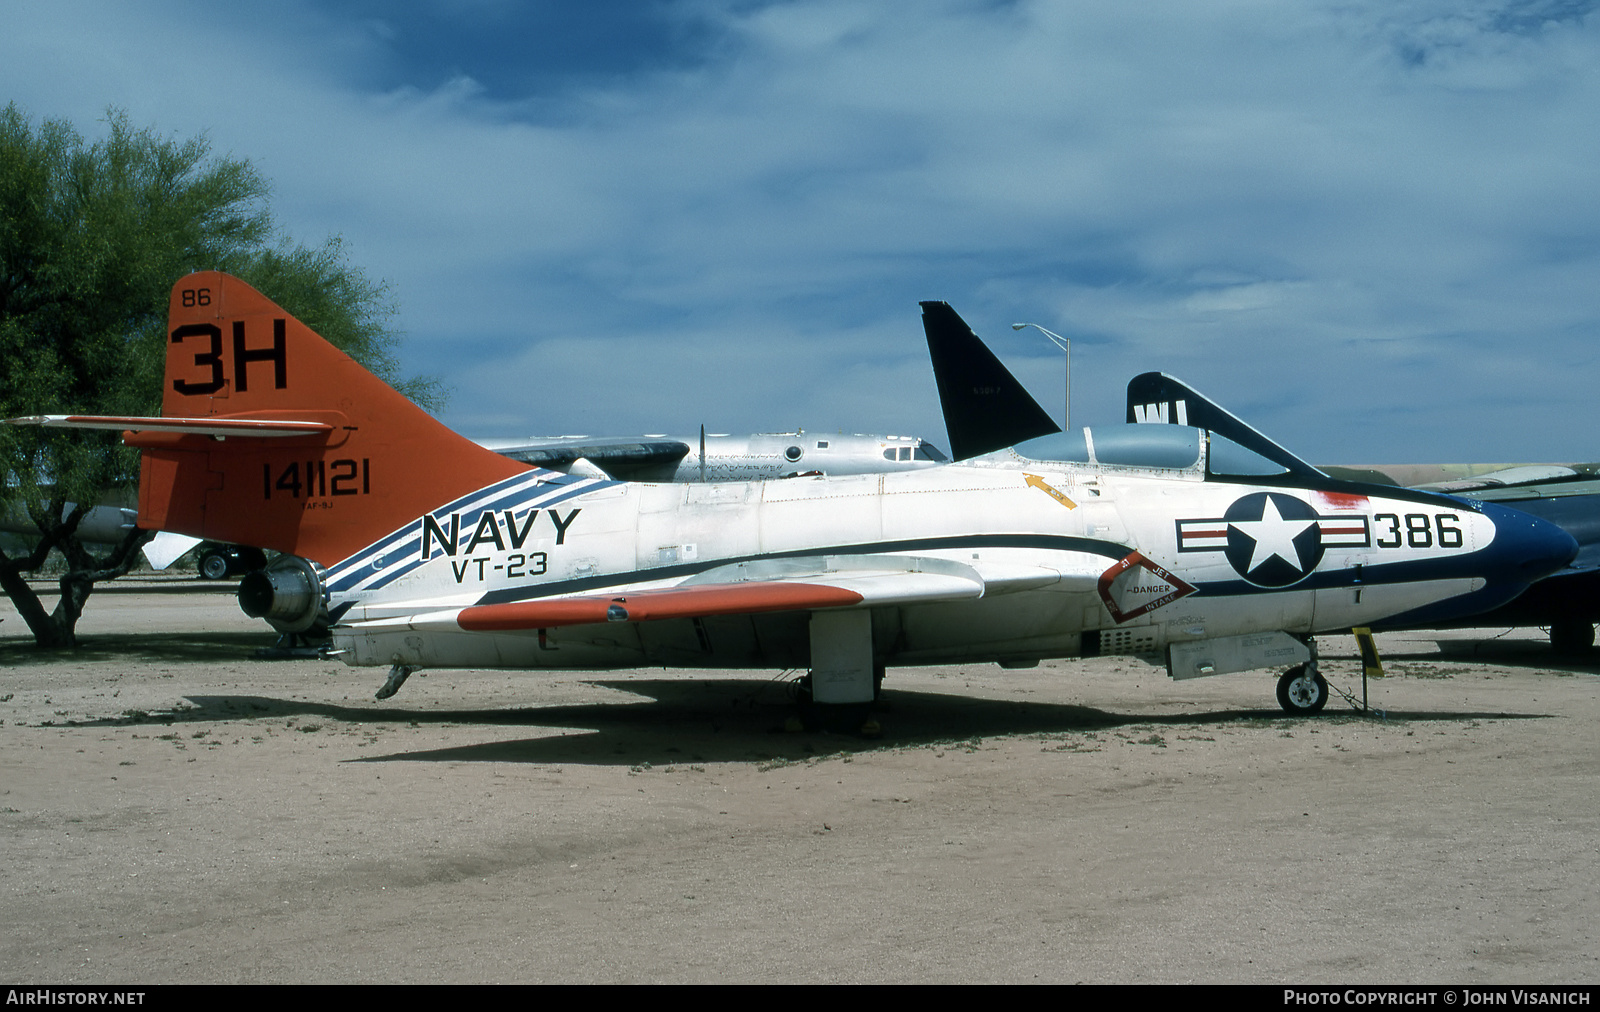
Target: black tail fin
[985,408]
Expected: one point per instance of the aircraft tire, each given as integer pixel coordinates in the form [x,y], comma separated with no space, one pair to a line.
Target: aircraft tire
[1570,636]
[1300,695]
[214,565]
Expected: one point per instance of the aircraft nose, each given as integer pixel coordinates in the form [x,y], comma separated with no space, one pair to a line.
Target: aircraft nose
[1526,548]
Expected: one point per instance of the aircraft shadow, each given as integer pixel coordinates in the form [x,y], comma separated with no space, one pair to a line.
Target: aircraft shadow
[142,648]
[730,720]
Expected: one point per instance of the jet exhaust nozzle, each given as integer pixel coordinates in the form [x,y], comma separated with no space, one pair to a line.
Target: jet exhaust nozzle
[288,594]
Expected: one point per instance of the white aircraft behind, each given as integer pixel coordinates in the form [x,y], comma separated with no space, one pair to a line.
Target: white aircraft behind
[429,550]
[720,456]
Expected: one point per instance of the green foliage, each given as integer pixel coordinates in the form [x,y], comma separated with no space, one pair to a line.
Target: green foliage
[92,239]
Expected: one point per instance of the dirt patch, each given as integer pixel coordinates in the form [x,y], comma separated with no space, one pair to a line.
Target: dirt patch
[175,811]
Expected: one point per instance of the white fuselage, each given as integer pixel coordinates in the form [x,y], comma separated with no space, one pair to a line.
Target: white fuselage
[1071,559]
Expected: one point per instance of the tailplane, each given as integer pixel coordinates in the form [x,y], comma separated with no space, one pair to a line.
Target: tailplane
[272,437]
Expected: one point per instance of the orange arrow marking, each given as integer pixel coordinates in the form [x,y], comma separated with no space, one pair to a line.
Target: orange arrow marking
[1044,486]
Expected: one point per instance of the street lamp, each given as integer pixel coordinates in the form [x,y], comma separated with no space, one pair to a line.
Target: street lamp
[1066,347]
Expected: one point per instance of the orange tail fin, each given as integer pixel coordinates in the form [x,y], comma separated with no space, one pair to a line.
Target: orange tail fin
[377,463]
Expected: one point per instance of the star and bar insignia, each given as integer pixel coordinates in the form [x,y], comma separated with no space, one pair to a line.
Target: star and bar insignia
[1272,539]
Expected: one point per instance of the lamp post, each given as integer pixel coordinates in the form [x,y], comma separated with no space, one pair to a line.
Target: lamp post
[1066,349]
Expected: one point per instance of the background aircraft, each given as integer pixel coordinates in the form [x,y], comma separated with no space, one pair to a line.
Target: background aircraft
[105,524]
[430,550]
[720,456]
[985,408]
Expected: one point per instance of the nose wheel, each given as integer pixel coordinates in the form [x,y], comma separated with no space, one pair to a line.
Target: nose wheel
[1301,691]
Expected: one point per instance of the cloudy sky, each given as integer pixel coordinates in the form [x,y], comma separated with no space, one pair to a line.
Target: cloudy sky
[1370,227]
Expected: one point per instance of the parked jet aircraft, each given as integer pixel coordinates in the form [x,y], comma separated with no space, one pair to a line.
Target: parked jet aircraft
[432,551]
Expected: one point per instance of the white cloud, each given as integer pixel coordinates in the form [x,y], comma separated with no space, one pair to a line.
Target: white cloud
[1361,219]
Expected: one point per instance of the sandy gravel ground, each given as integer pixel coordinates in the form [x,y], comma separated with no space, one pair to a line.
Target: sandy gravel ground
[172,810]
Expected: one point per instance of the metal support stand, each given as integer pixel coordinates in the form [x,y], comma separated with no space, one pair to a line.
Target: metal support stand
[1371,663]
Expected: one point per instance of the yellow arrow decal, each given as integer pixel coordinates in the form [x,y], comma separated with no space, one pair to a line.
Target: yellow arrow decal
[1039,483]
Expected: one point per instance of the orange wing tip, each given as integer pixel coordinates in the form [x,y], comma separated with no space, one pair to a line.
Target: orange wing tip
[656,605]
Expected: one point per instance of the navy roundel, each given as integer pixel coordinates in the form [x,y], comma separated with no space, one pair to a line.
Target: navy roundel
[1274,540]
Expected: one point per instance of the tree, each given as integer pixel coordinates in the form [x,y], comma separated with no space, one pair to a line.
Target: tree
[92,238]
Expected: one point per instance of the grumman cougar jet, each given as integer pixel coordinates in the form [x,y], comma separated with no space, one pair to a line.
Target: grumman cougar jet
[429,550]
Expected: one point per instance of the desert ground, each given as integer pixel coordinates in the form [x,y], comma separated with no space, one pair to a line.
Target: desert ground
[174,810]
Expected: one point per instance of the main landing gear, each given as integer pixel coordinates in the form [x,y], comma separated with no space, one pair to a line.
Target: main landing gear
[839,692]
[839,718]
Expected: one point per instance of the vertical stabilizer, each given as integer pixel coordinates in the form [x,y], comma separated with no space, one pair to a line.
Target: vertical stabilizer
[376,462]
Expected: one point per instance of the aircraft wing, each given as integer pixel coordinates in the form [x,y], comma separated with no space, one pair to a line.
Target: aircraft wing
[767,585]
[1505,480]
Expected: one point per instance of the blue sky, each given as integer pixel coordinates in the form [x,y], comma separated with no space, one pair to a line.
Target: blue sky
[1370,227]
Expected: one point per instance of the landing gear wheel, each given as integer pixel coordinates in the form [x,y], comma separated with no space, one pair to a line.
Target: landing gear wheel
[214,565]
[1569,636]
[1301,691]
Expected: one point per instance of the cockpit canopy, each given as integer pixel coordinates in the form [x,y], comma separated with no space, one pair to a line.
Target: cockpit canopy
[1148,446]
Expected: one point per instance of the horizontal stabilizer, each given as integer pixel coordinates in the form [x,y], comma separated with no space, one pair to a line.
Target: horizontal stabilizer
[237,427]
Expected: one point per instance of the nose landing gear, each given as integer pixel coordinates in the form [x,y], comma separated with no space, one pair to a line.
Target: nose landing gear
[1302,691]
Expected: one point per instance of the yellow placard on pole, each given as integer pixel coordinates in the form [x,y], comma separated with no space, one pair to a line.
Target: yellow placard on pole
[1371,663]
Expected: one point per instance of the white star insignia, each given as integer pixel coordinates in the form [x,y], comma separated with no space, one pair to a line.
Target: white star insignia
[1273,535]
